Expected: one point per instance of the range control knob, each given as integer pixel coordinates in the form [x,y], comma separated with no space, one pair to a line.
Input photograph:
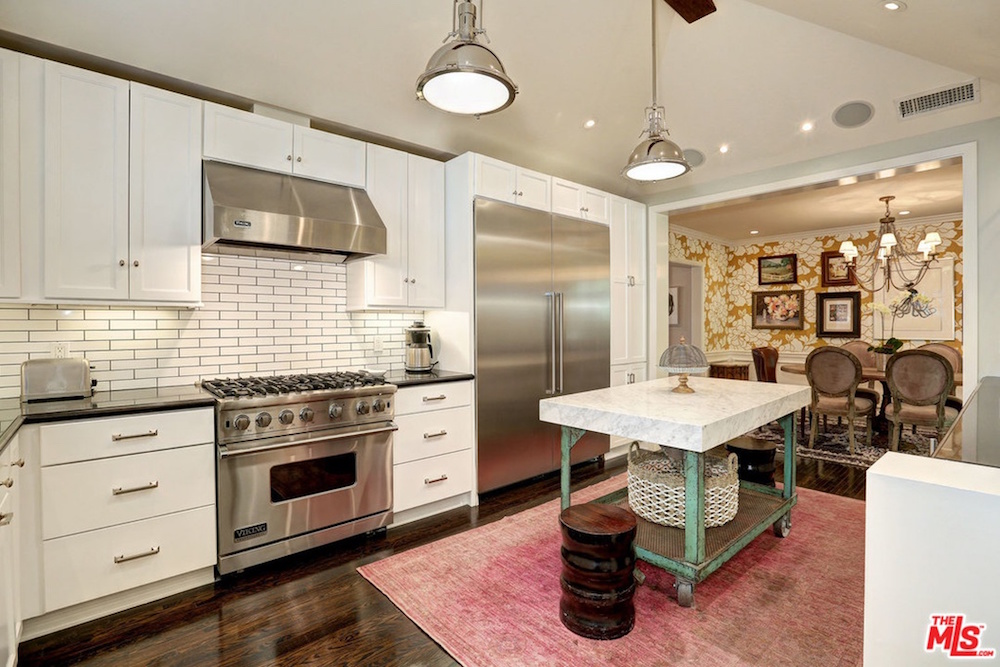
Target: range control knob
[378,405]
[286,417]
[306,414]
[336,410]
[242,422]
[263,420]
[363,407]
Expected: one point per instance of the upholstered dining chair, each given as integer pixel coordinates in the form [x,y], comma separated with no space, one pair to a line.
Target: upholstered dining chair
[834,375]
[920,382]
[953,356]
[765,363]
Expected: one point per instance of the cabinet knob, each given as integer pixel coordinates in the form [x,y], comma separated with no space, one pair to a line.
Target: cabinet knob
[514,193]
[121,262]
[298,159]
[520,194]
[288,157]
[413,281]
[135,263]
[19,463]
[9,482]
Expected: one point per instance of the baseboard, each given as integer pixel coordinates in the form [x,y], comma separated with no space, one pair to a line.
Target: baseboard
[430,509]
[61,619]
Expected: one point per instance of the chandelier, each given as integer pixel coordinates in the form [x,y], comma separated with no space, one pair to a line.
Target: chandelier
[889,264]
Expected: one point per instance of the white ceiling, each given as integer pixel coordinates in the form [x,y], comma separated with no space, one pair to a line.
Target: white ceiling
[747,75]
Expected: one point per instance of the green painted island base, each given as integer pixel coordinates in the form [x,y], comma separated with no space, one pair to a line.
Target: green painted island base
[692,555]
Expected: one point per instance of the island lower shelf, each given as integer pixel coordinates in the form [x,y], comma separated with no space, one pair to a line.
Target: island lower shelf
[664,546]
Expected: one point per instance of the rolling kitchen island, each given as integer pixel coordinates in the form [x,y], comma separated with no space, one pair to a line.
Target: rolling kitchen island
[717,412]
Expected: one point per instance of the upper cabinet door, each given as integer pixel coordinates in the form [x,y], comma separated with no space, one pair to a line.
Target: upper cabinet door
[329,157]
[595,205]
[425,232]
[86,184]
[386,280]
[534,189]
[249,139]
[619,239]
[496,179]
[566,198]
[10,214]
[165,196]
[637,241]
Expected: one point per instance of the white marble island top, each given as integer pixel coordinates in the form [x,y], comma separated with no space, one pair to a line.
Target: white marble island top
[718,411]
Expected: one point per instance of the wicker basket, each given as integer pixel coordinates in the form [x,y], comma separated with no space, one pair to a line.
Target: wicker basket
[656,488]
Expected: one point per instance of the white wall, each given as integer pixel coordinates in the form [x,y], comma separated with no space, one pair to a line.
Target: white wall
[261,316]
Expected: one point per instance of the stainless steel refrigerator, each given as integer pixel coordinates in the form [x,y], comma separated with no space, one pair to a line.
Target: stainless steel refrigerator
[543,302]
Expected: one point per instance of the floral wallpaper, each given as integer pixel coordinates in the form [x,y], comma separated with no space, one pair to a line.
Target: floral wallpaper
[731,280]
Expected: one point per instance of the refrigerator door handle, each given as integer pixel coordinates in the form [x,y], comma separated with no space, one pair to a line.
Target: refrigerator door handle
[550,384]
[560,335]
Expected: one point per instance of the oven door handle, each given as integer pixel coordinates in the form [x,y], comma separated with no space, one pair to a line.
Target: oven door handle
[226,453]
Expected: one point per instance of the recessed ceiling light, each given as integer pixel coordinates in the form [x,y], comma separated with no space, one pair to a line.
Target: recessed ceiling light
[807,126]
[893,5]
[754,231]
[904,213]
[589,124]
[724,148]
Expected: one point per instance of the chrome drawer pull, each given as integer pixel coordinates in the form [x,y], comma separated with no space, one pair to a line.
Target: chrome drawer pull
[124,559]
[434,398]
[119,491]
[442,478]
[5,518]
[115,437]
[9,482]
[428,436]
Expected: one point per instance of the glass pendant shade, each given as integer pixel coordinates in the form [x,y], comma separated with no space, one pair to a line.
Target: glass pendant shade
[463,76]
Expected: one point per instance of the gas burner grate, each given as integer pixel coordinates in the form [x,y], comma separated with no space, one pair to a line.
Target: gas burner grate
[288,384]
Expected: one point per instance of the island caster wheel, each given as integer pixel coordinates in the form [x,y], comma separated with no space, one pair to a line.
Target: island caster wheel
[685,593]
[783,526]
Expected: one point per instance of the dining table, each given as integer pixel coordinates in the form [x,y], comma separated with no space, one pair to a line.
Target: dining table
[868,373]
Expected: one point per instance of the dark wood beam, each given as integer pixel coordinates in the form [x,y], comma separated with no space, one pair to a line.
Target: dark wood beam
[692,10]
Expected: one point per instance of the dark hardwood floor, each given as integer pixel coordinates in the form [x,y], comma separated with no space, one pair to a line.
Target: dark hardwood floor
[314,608]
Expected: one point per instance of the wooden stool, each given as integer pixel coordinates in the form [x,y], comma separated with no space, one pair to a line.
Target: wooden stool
[598,561]
[756,457]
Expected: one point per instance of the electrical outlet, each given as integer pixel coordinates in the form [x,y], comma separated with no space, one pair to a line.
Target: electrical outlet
[60,350]
[379,345]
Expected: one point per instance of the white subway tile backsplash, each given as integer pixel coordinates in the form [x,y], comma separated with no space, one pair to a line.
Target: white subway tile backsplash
[260,316]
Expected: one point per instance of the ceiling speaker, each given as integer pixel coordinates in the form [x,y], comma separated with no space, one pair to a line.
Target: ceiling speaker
[694,157]
[853,114]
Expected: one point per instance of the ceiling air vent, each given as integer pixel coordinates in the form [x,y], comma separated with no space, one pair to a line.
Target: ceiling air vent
[945,98]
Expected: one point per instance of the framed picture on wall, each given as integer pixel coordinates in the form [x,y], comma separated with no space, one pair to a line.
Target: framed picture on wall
[833,269]
[777,270]
[777,310]
[838,314]
[674,305]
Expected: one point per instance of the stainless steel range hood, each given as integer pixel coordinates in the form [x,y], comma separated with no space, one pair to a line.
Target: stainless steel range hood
[259,213]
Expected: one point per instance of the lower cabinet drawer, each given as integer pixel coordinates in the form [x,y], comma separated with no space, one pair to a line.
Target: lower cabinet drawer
[423,435]
[435,396]
[83,567]
[78,497]
[427,480]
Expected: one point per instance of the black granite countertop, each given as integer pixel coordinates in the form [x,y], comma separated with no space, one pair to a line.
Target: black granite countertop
[404,379]
[13,413]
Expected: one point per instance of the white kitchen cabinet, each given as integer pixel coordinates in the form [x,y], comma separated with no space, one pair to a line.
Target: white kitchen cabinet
[122,190]
[512,184]
[10,607]
[628,282]
[124,502]
[10,218]
[432,450]
[86,184]
[408,193]
[253,140]
[578,201]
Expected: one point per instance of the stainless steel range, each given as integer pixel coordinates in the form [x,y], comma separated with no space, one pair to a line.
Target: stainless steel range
[303,460]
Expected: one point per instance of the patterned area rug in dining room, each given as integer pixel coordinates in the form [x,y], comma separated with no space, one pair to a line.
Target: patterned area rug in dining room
[832,445]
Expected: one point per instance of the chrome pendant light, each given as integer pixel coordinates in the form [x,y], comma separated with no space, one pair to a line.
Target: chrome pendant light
[656,158]
[463,76]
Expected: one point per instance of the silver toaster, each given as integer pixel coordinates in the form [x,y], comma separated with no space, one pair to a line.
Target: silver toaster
[46,379]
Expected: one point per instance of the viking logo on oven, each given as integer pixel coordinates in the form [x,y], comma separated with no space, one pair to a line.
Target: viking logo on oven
[249,531]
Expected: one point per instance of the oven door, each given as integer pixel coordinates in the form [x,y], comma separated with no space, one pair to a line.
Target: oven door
[279,488]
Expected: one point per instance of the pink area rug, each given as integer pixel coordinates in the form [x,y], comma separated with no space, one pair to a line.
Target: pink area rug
[490,596]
